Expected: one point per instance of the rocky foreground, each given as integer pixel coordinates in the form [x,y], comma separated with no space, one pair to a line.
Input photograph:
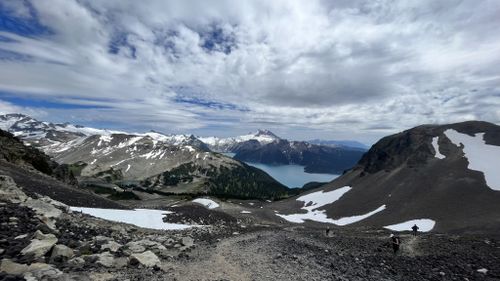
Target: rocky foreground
[41,240]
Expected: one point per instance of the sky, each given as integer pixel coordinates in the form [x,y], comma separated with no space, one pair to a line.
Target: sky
[343,69]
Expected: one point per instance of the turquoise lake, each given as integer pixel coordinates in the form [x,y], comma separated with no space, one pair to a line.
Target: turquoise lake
[290,175]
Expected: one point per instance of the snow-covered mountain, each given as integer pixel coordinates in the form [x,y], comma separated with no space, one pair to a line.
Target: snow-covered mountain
[54,138]
[227,144]
[267,148]
[112,156]
[443,178]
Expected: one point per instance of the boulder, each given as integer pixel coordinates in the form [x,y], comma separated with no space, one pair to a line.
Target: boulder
[45,211]
[106,259]
[39,247]
[35,271]
[42,271]
[134,247]
[121,262]
[41,236]
[147,259]
[112,246]
[187,241]
[61,252]
[13,268]
[10,191]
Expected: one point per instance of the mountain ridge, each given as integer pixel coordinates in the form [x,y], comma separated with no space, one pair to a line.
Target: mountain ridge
[427,172]
[103,159]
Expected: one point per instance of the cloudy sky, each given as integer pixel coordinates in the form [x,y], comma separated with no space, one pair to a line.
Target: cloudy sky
[341,69]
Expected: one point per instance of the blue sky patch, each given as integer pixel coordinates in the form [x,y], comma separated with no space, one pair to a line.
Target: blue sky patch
[43,103]
[119,41]
[22,26]
[209,104]
[216,40]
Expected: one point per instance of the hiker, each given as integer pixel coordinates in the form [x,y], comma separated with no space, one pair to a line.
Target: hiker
[395,243]
[415,230]
[327,231]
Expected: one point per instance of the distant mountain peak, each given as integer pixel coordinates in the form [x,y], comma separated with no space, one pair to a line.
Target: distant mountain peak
[262,132]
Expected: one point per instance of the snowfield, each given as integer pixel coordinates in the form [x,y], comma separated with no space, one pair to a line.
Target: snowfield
[210,204]
[424,225]
[353,219]
[320,198]
[145,218]
[481,156]
[315,200]
[435,144]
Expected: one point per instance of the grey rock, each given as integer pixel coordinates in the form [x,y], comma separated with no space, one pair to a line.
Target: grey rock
[42,236]
[121,262]
[45,211]
[35,271]
[102,238]
[39,247]
[112,246]
[134,247]
[62,252]
[147,259]
[41,271]
[13,268]
[76,262]
[10,191]
[187,241]
[106,259]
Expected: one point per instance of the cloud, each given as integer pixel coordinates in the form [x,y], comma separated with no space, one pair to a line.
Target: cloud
[219,66]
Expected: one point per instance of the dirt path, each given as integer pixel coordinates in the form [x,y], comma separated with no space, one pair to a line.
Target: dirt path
[409,246]
[221,262]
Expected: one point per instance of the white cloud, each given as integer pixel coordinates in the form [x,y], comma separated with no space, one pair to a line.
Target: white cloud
[365,67]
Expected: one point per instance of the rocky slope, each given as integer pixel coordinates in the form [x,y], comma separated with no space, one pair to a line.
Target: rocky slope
[442,174]
[40,239]
[36,173]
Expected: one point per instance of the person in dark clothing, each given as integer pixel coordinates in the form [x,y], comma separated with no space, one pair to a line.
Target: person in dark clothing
[395,243]
[415,230]
[327,232]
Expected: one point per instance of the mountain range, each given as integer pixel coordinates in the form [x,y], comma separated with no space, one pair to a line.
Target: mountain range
[104,159]
[443,177]
[267,148]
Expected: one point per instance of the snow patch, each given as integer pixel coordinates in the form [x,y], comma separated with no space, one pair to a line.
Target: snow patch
[145,218]
[190,148]
[424,225]
[435,144]
[482,270]
[481,156]
[320,216]
[318,199]
[210,204]
[245,212]
[353,219]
